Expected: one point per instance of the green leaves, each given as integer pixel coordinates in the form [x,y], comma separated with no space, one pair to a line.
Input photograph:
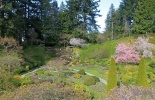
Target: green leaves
[143,18]
[112,78]
[142,76]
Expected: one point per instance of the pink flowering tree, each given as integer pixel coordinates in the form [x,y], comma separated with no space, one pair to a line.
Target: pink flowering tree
[126,54]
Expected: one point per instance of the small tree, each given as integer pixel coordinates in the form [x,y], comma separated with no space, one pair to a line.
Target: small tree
[126,54]
[143,46]
[142,76]
[112,78]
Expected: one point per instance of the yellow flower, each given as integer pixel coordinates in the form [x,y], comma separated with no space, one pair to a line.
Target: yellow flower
[106,73]
[17,76]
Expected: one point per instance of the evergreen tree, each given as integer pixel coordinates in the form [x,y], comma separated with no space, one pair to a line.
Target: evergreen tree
[50,23]
[144,16]
[112,78]
[6,18]
[110,21]
[65,24]
[62,7]
[82,14]
[142,76]
[128,7]
[123,17]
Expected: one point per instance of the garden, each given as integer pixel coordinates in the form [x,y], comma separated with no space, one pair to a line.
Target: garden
[94,72]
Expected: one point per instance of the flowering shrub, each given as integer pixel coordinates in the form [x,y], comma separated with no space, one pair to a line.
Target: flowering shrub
[126,54]
[77,42]
[128,74]
[131,93]
[144,47]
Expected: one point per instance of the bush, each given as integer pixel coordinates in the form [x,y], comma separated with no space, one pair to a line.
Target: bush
[89,81]
[48,73]
[79,87]
[16,80]
[112,78]
[142,76]
[11,61]
[128,74]
[77,76]
[34,56]
[25,81]
[100,38]
[96,79]
[6,83]
[39,71]
[10,45]
[77,42]
[144,47]
[152,64]
[131,93]
[46,91]
[81,72]
[126,54]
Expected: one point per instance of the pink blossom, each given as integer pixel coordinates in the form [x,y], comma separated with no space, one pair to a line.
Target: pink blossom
[126,54]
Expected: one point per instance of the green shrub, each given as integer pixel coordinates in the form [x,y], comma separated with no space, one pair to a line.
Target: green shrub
[89,81]
[96,79]
[77,76]
[152,64]
[128,74]
[39,71]
[6,83]
[81,72]
[48,73]
[19,70]
[142,76]
[112,78]
[11,61]
[16,82]
[25,81]
[35,56]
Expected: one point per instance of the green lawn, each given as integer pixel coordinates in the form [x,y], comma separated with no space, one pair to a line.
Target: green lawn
[96,70]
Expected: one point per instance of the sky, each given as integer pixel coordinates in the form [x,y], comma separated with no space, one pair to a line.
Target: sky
[104,6]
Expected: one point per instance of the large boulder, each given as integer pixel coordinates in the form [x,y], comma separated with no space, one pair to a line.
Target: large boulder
[77,42]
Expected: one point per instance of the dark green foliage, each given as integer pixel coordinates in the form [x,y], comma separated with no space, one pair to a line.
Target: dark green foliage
[110,21]
[119,22]
[82,14]
[144,16]
[81,72]
[15,82]
[112,78]
[152,64]
[89,81]
[142,76]
[35,56]
[19,70]
[96,79]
